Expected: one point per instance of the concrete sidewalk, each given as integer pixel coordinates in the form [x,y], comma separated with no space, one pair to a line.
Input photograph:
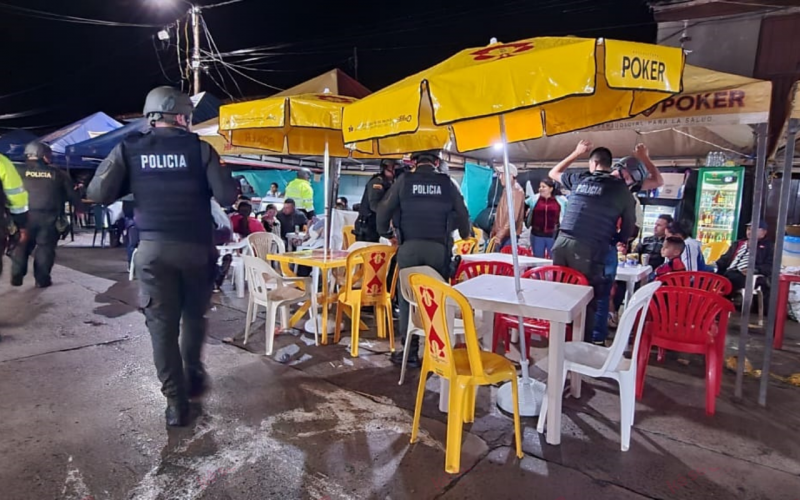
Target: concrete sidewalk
[81,417]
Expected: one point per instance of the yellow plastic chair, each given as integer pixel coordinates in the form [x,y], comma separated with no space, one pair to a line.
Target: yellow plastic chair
[375,290]
[490,247]
[465,246]
[465,368]
[348,238]
[480,235]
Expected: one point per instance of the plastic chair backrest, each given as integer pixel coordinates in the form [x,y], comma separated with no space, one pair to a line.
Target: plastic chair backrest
[479,234]
[405,284]
[469,270]
[432,297]
[526,252]
[260,244]
[348,238]
[632,318]
[700,280]
[490,247]
[686,315]
[466,246]
[358,245]
[558,274]
[374,261]
[259,273]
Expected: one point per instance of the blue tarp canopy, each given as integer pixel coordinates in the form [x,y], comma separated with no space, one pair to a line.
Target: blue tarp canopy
[100,147]
[82,130]
[13,142]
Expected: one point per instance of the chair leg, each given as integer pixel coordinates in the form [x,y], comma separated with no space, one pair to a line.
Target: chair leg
[644,357]
[354,330]
[423,377]
[627,402]
[284,317]
[455,426]
[575,385]
[390,325]
[712,372]
[313,314]
[661,354]
[760,308]
[380,320]
[469,404]
[405,357]
[252,311]
[337,330]
[517,424]
[272,312]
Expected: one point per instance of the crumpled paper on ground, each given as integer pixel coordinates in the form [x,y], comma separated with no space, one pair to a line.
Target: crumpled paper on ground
[732,361]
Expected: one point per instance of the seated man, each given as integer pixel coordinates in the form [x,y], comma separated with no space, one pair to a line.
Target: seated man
[733,264]
[291,219]
[242,223]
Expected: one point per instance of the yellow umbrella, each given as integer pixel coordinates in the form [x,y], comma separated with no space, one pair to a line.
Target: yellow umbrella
[295,125]
[514,92]
[541,86]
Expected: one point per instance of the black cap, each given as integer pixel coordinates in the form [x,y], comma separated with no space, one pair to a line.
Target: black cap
[762,224]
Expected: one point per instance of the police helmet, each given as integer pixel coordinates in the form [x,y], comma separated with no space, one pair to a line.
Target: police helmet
[304,173]
[167,101]
[432,155]
[386,163]
[38,150]
[635,170]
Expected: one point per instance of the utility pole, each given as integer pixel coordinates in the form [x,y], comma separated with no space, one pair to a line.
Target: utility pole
[196,49]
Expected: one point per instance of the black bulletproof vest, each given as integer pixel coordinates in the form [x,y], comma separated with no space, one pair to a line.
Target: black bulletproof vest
[45,187]
[169,182]
[425,206]
[595,205]
[364,210]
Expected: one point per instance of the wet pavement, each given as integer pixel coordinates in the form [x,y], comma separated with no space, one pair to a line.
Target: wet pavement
[81,417]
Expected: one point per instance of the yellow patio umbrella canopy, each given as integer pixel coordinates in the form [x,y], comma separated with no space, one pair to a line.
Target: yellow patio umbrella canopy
[542,86]
[295,125]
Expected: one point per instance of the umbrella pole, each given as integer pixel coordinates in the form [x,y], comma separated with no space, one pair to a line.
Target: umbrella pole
[780,230]
[531,392]
[326,176]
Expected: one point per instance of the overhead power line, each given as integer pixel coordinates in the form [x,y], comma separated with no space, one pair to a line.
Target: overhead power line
[52,16]
[221,4]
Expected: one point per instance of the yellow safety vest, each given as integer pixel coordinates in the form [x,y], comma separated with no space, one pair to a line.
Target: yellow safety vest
[302,193]
[12,185]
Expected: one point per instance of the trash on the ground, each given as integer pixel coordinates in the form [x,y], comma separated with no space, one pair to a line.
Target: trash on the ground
[301,359]
[284,354]
[347,362]
[307,340]
[684,362]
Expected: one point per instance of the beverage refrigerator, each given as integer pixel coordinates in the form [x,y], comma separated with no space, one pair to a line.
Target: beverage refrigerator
[719,196]
[666,200]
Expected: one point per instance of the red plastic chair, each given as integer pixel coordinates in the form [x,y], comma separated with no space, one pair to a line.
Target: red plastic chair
[468,270]
[526,252]
[692,321]
[699,280]
[503,323]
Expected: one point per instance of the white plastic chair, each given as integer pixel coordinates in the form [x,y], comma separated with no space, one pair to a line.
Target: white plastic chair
[132,266]
[414,324]
[262,244]
[759,293]
[584,358]
[271,290]
[237,265]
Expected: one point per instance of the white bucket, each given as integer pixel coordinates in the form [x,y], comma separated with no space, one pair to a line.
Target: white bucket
[791,252]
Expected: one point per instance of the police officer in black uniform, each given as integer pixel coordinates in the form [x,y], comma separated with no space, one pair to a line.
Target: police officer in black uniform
[422,204]
[597,201]
[366,227]
[48,190]
[172,174]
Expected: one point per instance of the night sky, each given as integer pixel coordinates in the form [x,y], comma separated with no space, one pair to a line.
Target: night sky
[61,71]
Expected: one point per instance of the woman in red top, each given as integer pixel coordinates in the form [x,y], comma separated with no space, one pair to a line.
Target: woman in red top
[546,210]
[242,223]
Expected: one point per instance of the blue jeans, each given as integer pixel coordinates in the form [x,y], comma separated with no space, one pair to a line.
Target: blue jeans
[600,332]
[542,244]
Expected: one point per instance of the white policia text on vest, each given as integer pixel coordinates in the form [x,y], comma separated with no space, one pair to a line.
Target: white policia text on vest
[427,189]
[150,162]
[38,175]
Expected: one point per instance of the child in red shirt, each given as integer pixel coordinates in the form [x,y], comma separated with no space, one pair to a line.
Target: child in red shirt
[671,250]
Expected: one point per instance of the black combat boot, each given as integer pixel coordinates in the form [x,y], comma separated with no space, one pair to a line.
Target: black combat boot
[177,413]
[197,381]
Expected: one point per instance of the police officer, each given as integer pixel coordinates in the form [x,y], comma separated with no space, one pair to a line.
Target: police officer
[172,174]
[48,190]
[598,200]
[422,204]
[301,191]
[366,227]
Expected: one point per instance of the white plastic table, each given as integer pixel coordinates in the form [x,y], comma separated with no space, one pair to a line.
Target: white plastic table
[507,258]
[558,303]
[632,275]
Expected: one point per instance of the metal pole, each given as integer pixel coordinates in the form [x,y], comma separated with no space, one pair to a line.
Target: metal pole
[196,48]
[780,229]
[327,213]
[758,198]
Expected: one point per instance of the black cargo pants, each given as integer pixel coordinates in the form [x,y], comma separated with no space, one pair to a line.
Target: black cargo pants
[419,253]
[589,260]
[175,283]
[42,242]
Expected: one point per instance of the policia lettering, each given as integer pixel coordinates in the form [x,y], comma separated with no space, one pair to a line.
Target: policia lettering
[643,69]
[427,189]
[163,161]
